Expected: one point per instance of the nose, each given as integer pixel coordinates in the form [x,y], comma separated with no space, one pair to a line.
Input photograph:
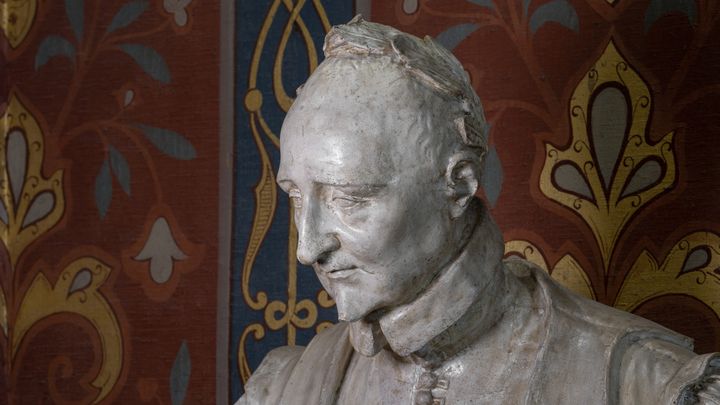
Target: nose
[315,242]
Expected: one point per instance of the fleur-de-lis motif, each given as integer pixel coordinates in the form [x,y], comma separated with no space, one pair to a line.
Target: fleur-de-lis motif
[29,203]
[610,169]
[689,269]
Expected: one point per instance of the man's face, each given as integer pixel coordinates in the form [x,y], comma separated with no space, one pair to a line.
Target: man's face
[370,207]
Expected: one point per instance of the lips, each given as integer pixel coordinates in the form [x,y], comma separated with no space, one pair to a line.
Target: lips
[339,273]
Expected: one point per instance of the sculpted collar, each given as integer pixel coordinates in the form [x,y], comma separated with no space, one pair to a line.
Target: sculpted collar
[422,327]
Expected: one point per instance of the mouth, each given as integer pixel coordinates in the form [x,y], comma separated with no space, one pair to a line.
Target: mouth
[340,273]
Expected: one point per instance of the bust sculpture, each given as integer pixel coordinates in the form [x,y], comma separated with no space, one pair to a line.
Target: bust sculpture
[381,156]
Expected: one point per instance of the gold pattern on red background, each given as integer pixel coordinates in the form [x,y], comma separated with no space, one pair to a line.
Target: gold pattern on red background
[16,19]
[30,203]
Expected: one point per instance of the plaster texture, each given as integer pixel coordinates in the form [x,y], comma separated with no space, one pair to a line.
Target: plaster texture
[381,156]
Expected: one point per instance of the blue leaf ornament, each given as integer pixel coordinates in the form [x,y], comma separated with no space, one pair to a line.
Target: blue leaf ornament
[557,11]
[453,36]
[149,60]
[526,6]
[484,3]
[661,8]
[492,177]
[180,375]
[53,46]
[120,169]
[169,142]
[75,10]
[103,189]
[127,14]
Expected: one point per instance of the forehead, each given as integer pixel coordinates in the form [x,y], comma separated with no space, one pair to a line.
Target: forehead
[351,123]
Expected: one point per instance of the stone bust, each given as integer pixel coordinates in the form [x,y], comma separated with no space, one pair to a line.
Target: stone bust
[381,156]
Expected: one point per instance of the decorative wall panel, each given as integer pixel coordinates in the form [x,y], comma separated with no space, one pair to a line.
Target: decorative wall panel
[275,300]
[108,201]
[115,188]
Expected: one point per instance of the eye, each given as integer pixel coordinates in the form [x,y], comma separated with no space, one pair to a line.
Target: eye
[348,201]
[295,198]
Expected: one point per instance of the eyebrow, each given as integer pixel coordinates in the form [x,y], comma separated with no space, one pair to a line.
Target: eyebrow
[362,187]
[372,187]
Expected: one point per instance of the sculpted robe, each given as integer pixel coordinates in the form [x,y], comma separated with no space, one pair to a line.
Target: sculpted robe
[548,346]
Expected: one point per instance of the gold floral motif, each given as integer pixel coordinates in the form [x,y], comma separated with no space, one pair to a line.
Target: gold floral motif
[567,271]
[689,269]
[16,19]
[76,292]
[31,204]
[607,203]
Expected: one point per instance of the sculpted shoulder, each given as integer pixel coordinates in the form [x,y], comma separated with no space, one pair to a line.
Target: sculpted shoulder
[634,360]
[296,374]
[266,383]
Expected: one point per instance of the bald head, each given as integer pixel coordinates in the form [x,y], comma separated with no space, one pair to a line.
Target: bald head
[368,104]
[380,179]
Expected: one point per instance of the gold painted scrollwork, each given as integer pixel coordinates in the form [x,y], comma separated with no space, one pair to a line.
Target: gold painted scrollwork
[76,292]
[16,19]
[30,203]
[325,301]
[566,271]
[689,269]
[287,314]
[258,332]
[608,173]
[266,200]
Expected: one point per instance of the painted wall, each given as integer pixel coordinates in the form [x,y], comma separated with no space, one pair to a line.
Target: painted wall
[147,255]
[109,215]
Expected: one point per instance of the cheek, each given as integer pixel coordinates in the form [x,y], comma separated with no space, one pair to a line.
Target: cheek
[393,234]
[418,213]
[395,228]
[374,239]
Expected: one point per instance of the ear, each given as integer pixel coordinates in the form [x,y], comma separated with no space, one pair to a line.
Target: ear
[462,177]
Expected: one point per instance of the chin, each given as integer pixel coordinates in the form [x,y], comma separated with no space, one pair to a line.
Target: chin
[351,310]
[350,314]
[347,317]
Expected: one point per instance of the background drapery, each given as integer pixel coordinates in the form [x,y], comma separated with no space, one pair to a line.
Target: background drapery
[148,255]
